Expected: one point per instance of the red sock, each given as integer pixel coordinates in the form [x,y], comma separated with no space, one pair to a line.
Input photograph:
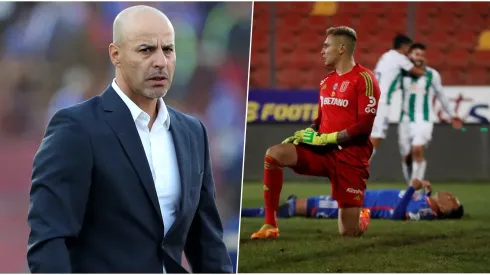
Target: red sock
[272,189]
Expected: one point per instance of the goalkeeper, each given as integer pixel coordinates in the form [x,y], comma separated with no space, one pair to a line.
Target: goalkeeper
[383,204]
[337,145]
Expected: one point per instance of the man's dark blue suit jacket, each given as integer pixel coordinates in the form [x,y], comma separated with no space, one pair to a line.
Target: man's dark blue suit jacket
[93,204]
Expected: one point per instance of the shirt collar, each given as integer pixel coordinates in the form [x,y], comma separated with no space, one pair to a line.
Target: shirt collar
[162,117]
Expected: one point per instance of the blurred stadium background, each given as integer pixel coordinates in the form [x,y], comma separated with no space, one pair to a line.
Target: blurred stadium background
[286,69]
[54,55]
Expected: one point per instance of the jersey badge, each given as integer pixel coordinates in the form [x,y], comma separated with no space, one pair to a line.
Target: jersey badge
[344,85]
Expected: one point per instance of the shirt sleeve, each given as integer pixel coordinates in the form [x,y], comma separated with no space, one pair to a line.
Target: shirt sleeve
[367,105]
[367,95]
[438,92]
[405,63]
[401,207]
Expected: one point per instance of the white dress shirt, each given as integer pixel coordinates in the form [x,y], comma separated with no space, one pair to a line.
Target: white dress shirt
[160,153]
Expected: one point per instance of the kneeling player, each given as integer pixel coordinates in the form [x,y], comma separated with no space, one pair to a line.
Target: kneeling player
[337,145]
[383,204]
[415,128]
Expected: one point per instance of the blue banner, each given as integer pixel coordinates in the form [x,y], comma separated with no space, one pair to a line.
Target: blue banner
[283,106]
[471,103]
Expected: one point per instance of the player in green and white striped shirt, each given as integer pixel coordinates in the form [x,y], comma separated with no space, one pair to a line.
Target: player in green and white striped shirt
[416,118]
[388,72]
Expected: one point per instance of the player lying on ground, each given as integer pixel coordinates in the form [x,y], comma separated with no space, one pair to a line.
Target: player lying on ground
[416,124]
[388,71]
[383,204]
[337,145]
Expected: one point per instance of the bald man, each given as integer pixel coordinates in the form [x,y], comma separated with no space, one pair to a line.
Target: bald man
[122,183]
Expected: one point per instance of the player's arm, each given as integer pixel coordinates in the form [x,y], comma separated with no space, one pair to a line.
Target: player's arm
[417,71]
[441,97]
[437,85]
[407,65]
[400,212]
[367,98]
[427,187]
[367,104]
[426,214]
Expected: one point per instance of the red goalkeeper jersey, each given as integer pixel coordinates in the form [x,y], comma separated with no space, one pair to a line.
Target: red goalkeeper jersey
[349,101]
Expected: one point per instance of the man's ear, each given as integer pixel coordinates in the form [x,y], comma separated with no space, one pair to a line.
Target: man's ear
[114,54]
[342,49]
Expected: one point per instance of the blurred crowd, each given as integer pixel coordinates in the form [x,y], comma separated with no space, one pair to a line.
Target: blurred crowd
[55,54]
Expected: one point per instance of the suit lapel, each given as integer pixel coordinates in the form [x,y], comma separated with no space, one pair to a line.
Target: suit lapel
[120,120]
[181,139]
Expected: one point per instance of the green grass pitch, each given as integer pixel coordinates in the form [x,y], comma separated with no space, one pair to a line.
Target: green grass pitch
[314,245]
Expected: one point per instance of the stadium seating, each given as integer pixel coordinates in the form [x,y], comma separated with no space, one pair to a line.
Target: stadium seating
[457,35]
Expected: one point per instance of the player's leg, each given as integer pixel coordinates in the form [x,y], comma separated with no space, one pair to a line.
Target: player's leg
[305,207]
[311,207]
[276,157]
[376,141]
[380,127]
[298,157]
[408,164]
[349,221]
[348,187]
[293,207]
[404,145]
[252,212]
[422,136]
[418,162]
[324,207]
[353,221]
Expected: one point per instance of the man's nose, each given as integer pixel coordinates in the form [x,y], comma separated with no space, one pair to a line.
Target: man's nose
[160,59]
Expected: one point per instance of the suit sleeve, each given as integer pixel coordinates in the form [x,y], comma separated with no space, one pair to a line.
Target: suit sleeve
[367,105]
[205,249]
[61,178]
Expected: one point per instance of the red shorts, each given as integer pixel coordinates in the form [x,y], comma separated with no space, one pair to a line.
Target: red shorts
[348,181]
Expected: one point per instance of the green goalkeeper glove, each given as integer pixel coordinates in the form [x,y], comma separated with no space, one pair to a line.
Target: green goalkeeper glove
[296,138]
[317,139]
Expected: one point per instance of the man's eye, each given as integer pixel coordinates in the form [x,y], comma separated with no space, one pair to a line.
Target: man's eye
[168,49]
[145,50]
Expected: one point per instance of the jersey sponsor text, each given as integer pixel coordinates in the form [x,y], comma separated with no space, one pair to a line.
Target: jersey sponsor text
[334,101]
